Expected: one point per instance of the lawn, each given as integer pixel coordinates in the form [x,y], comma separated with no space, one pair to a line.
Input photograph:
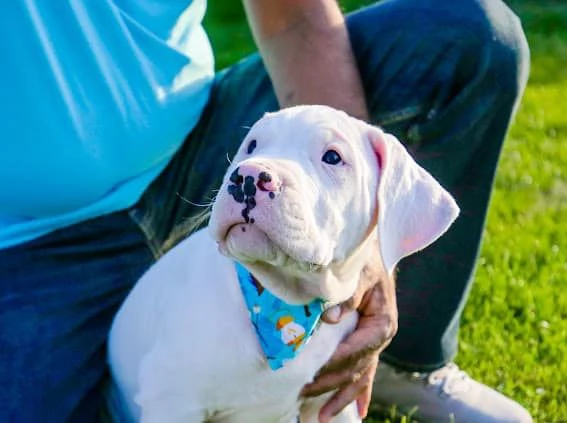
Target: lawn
[514,329]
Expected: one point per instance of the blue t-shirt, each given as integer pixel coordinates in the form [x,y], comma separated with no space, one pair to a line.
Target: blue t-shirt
[95,98]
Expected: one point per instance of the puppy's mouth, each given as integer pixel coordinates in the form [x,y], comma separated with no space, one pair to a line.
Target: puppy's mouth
[249,243]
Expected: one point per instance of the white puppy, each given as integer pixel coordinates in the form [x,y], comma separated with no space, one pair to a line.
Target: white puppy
[308,194]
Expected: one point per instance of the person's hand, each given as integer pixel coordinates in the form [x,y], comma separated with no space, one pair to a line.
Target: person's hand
[351,369]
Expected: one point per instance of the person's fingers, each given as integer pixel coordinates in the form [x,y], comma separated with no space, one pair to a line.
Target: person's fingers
[351,370]
[372,335]
[376,327]
[337,379]
[363,402]
[346,395]
[357,352]
[365,397]
[333,314]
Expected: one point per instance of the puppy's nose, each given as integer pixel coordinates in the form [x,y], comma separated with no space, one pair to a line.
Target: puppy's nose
[264,179]
[267,183]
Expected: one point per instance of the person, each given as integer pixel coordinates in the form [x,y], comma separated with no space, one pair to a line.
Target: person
[115,129]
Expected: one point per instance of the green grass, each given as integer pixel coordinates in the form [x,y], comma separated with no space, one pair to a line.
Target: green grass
[514,329]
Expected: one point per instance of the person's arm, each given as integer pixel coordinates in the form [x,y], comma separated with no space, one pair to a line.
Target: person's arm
[307,53]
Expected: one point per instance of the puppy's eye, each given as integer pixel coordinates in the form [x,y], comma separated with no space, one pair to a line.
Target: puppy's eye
[331,157]
[251,147]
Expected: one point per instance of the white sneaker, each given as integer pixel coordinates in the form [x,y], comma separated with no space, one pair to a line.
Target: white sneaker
[447,395]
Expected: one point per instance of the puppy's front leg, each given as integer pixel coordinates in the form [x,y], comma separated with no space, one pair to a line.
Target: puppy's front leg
[309,412]
[161,402]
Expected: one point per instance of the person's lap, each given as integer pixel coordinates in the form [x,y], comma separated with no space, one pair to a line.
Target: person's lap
[433,75]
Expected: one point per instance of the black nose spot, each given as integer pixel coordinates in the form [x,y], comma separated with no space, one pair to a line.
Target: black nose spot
[246,214]
[235,178]
[250,202]
[265,177]
[236,192]
[249,186]
[243,190]
[251,147]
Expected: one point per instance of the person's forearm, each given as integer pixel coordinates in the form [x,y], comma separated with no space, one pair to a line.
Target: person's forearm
[307,52]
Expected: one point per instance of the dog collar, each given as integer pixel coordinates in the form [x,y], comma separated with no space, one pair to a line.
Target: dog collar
[282,329]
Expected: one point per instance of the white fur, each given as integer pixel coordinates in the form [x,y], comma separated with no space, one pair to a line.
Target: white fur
[182,348]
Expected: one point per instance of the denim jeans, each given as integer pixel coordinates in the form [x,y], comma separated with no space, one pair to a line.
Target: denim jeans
[445,77]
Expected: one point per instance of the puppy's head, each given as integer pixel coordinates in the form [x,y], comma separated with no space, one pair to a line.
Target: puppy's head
[308,193]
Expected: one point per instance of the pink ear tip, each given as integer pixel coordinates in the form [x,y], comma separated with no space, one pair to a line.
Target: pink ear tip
[452,208]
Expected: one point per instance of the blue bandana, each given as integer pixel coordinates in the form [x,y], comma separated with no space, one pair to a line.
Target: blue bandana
[283,329]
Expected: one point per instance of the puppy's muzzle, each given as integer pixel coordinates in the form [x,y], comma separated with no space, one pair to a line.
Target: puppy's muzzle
[251,176]
[251,182]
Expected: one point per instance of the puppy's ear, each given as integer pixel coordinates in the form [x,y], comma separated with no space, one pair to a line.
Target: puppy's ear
[413,208]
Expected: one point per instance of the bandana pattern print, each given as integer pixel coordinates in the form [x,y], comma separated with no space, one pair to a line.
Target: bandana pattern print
[283,329]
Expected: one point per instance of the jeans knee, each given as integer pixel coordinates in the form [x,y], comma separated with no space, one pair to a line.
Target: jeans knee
[429,65]
[504,54]
[484,35]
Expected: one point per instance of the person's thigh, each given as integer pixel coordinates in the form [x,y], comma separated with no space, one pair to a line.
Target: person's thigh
[58,296]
